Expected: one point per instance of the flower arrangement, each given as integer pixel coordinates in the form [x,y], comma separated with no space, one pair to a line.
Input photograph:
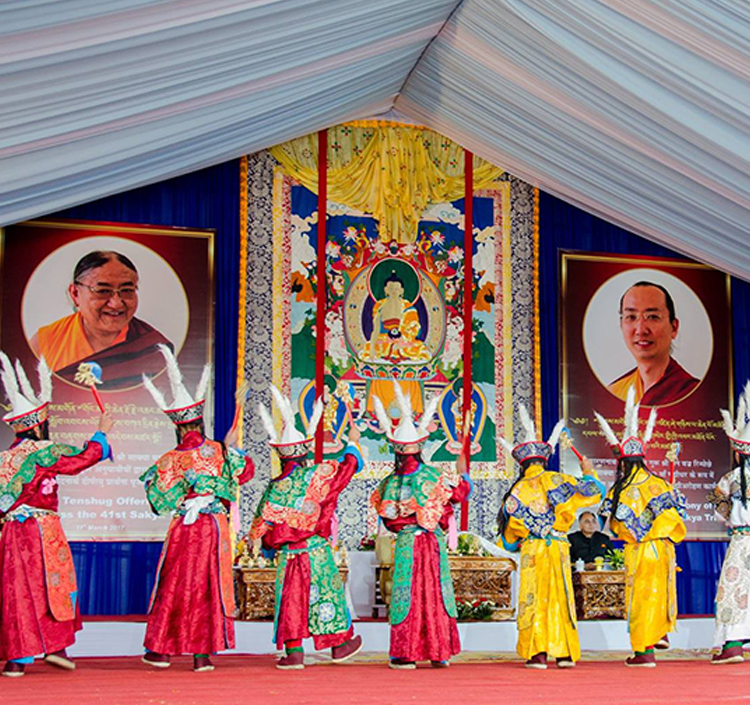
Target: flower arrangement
[616,559]
[468,545]
[366,543]
[475,610]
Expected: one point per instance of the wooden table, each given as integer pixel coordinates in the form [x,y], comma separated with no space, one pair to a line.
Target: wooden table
[254,590]
[474,578]
[599,594]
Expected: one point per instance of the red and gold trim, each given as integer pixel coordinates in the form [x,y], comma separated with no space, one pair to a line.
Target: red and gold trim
[297,449]
[187,414]
[23,422]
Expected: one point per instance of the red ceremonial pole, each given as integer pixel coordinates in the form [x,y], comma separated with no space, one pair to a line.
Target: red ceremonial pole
[320,315]
[468,308]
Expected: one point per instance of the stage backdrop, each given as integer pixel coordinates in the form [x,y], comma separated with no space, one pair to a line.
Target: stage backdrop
[173,306]
[425,267]
[422,282]
[602,351]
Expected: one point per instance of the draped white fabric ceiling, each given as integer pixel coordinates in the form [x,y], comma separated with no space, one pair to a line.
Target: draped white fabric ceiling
[636,110]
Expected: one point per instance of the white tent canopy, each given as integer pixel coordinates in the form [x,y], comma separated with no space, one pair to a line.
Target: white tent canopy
[636,110]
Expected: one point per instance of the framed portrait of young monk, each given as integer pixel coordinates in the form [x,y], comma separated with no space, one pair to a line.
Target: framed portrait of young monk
[661,327]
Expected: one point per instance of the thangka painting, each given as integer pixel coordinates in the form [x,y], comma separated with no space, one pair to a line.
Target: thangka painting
[395,312]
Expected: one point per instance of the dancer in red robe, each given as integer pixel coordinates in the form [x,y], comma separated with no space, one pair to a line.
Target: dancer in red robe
[414,502]
[192,606]
[38,593]
[295,517]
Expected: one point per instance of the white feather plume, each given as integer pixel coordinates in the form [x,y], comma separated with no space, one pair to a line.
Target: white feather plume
[383,419]
[9,380]
[285,408]
[631,414]
[315,417]
[45,380]
[727,423]
[650,425]
[404,402]
[429,450]
[429,412]
[202,388]
[268,424]
[742,408]
[26,388]
[741,423]
[508,446]
[158,397]
[527,423]
[173,370]
[607,431]
[556,431]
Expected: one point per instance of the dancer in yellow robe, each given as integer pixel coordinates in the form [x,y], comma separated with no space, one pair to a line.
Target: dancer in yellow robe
[647,513]
[536,515]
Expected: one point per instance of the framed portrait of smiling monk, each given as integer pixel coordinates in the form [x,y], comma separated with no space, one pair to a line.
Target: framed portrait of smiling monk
[107,293]
[663,328]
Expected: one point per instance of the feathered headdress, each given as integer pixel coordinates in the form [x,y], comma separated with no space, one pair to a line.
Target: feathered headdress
[184,408]
[631,446]
[739,431]
[27,408]
[531,446]
[291,443]
[406,432]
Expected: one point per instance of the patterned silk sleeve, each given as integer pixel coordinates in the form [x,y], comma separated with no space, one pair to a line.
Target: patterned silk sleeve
[72,463]
[680,502]
[721,497]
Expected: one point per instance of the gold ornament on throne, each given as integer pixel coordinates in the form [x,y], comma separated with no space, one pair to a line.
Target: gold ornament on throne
[394,324]
[394,315]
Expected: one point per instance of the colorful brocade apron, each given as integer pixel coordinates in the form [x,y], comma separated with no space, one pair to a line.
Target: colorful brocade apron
[328,613]
[404,568]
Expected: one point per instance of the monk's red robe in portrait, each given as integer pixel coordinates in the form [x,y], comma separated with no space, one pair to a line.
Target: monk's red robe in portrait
[675,384]
[64,345]
[38,592]
[428,631]
[294,517]
[192,606]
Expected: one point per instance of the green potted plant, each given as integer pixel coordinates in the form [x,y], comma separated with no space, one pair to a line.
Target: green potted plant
[616,559]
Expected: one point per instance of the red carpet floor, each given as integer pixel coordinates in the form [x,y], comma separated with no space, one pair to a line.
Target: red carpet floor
[252,680]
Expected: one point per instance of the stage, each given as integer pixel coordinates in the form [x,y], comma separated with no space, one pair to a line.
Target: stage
[124,637]
[489,678]
[109,670]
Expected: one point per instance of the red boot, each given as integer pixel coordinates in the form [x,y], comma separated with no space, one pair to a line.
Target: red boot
[538,661]
[202,664]
[343,652]
[60,659]
[732,654]
[293,661]
[644,660]
[401,664]
[14,670]
[156,660]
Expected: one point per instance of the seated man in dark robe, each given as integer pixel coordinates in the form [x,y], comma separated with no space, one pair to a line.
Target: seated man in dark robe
[588,543]
[104,328]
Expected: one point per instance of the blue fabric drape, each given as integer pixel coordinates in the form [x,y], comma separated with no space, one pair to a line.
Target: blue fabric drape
[565,227]
[116,578]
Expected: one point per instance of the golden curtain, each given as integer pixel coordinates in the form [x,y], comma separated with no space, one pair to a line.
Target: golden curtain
[390,170]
